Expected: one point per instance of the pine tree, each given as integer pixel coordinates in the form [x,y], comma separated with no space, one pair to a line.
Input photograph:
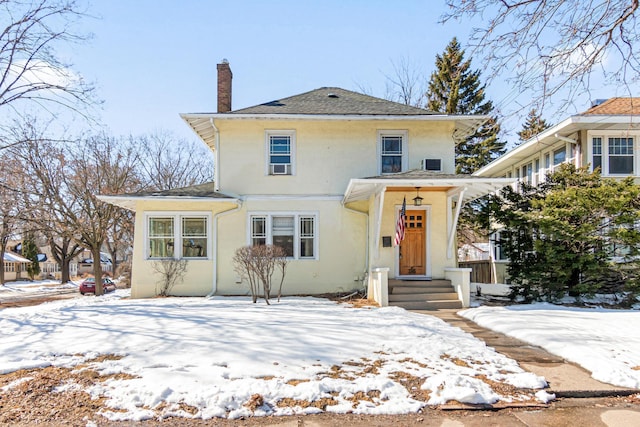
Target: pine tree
[30,252]
[455,88]
[532,126]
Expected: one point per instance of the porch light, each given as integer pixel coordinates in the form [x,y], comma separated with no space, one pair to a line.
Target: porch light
[417,201]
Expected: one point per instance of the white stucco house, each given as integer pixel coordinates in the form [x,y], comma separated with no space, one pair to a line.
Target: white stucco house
[324,175]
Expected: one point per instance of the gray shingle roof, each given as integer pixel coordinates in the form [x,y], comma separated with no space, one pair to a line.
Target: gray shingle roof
[333,101]
[421,174]
[201,190]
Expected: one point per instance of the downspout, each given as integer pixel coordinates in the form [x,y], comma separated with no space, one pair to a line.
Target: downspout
[454,224]
[216,149]
[214,285]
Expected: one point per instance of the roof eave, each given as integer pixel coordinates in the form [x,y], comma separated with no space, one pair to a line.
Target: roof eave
[573,123]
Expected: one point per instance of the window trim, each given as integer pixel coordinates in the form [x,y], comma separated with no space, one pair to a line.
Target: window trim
[604,148]
[297,215]
[177,233]
[404,156]
[291,133]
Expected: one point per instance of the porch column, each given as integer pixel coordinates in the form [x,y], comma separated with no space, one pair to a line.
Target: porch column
[454,223]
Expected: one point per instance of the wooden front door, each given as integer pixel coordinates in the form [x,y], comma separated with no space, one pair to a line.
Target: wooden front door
[413,248]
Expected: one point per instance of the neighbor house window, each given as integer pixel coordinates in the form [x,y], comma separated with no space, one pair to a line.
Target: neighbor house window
[559,156]
[620,155]
[295,233]
[393,151]
[191,231]
[280,152]
[597,153]
[612,154]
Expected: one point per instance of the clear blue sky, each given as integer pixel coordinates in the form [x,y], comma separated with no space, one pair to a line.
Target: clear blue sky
[154,59]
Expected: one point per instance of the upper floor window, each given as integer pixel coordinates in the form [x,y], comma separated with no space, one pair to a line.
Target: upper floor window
[177,236]
[280,152]
[392,148]
[294,232]
[613,155]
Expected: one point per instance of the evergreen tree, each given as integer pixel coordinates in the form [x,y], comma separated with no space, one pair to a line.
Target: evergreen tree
[532,126]
[454,88]
[30,252]
[569,235]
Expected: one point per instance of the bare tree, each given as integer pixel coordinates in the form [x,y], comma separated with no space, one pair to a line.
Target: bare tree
[167,162]
[101,166]
[10,202]
[30,69]
[45,163]
[171,271]
[408,84]
[553,45]
[257,264]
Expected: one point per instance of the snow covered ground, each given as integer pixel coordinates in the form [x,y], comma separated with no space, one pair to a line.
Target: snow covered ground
[605,342]
[217,356]
[36,286]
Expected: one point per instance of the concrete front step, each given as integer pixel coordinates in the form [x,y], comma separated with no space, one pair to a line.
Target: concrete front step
[428,305]
[395,290]
[431,296]
[418,283]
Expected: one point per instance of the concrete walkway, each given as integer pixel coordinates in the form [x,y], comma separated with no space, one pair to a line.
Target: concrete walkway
[565,378]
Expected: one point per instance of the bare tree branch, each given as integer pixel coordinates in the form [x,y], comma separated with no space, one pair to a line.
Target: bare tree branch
[555,45]
[31,73]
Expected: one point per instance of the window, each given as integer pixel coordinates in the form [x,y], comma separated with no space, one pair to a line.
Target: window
[527,173]
[559,156]
[620,155]
[190,231]
[612,154]
[295,233]
[597,153]
[280,152]
[393,151]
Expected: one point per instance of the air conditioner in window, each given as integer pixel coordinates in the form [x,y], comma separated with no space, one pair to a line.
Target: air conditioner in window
[280,169]
[434,165]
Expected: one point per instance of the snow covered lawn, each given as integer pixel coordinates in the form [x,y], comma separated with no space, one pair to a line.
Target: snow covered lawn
[605,342]
[227,357]
[26,286]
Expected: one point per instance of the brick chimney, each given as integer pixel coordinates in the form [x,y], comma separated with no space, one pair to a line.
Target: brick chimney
[224,87]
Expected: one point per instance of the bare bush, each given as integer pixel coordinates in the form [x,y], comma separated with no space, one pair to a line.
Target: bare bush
[257,264]
[171,271]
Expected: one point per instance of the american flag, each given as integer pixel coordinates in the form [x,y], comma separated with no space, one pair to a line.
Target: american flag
[400,224]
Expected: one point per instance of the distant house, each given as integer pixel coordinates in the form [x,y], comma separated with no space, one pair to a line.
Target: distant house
[606,136]
[323,174]
[14,265]
[476,251]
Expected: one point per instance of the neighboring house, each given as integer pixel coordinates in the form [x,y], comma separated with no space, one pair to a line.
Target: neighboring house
[477,251]
[322,174]
[14,265]
[607,135]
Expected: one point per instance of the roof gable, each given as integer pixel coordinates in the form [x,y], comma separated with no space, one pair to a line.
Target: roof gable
[333,101]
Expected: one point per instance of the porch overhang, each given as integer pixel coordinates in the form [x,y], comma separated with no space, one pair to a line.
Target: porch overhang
[472,187]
